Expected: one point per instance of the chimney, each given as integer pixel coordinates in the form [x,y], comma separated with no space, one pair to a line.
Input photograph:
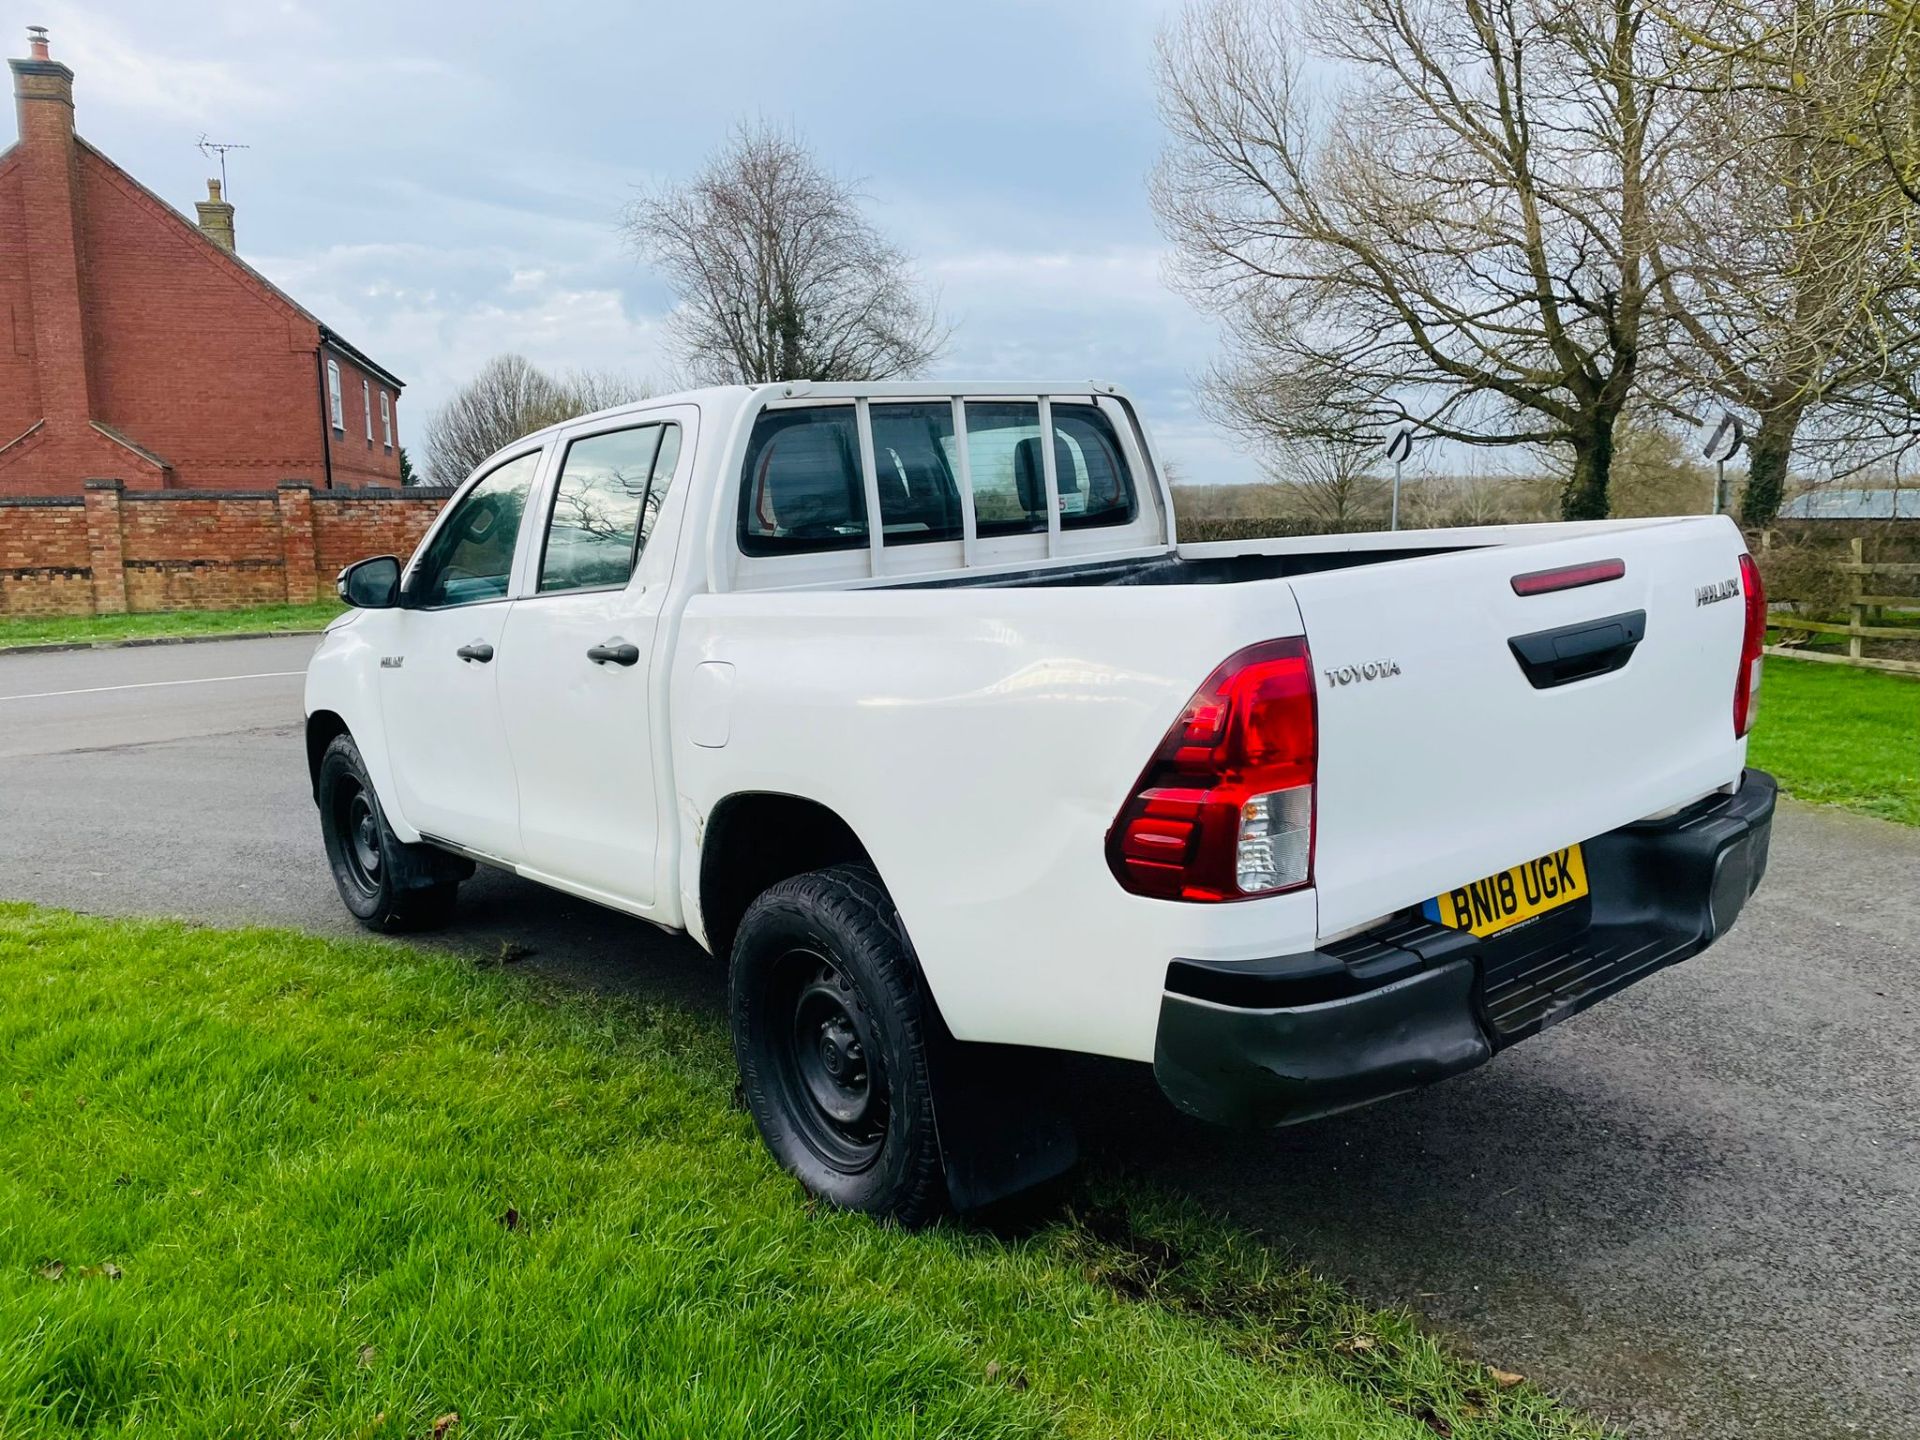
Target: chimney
[50,180]
[216,217]
[42,92]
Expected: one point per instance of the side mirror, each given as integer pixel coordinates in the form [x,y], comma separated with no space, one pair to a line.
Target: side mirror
[371,584]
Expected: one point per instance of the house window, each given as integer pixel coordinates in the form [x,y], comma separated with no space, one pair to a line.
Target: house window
[334,406]
[366,407]
[386,418]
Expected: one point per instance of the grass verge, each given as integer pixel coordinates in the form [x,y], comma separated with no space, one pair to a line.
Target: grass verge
[1844,737]
[259,1183]
[16,631]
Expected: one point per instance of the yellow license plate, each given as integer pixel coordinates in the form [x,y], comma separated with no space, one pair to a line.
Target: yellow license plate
[1501,901]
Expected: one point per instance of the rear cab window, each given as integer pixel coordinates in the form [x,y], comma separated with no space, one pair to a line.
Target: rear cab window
[802,489]
[805,491]
[916,472]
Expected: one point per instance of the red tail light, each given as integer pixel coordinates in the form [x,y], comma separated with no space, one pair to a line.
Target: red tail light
[1224,809]
[1746,687]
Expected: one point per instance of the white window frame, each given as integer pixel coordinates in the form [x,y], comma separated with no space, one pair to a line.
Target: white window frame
[336,404]
[386,419]
[1150,530]
[366,405]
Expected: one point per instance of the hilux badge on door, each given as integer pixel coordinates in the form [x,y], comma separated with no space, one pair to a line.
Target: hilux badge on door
[392,662]
[1372,670]
[1720,590]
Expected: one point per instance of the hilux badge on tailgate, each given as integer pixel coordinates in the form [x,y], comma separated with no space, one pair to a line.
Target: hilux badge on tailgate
[1720,590]
[1372,670]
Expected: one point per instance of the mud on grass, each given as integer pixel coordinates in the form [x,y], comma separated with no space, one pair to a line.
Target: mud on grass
[259,1183]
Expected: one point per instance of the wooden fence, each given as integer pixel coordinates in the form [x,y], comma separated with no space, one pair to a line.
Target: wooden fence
[1872,589]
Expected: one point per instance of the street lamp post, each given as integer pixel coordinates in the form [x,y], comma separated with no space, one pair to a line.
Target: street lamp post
[1721,447]
[1399,446]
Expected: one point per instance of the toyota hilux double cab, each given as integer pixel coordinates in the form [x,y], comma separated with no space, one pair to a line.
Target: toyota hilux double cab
[908,703]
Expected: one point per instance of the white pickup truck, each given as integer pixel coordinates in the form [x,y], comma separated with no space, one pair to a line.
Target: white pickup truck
[908,701]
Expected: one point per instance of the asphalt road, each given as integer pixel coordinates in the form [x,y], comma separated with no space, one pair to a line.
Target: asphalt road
[1694,1210]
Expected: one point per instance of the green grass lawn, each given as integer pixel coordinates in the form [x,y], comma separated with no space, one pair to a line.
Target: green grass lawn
[108,629]
[1839,736]
[255,1183]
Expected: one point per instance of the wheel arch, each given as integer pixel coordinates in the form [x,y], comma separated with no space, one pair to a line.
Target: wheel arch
[323,728]
[999,1127]
[753,840]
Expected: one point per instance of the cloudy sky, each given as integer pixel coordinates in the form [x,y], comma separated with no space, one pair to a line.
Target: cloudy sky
[441,181]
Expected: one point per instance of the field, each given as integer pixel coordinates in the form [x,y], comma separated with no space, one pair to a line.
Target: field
[1837,736]
[263,1184]
[16,631]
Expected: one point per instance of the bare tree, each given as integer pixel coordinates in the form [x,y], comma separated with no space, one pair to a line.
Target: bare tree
[1789,284]
[1330,480]
[508,398]
[1477,494]
[1657,470]
[1459,234]
[1852,67]
[779,275]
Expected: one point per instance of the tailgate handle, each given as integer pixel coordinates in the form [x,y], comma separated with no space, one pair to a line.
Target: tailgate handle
[1578,652]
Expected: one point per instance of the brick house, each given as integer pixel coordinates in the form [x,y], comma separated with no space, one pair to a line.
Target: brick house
[136,344]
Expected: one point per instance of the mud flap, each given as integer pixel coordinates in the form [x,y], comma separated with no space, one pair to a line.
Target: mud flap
[1001,1129]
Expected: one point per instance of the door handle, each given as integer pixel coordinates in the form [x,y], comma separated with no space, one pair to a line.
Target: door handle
[1579,651]
[478,650]
[616,650]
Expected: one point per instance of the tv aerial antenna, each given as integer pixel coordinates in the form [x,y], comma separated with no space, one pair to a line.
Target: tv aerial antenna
[219,148]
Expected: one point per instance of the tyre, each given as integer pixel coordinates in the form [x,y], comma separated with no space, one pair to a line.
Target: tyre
[832,1043]
[387,884]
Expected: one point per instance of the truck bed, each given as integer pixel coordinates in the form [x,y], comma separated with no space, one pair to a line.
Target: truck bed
[1239,562]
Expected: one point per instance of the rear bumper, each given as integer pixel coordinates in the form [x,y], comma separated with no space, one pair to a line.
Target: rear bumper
[1272,1042]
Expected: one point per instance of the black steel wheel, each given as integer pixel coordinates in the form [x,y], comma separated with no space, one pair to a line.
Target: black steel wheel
[830,1036]
[386,883]
[829,1069]
[359,824]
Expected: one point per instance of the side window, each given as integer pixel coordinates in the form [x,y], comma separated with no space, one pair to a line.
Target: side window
[366,407]
[471,555]
[386,418]
[913,457]
[664,464]
[1003,456]
[801,488]
[604,505]
[1095,488]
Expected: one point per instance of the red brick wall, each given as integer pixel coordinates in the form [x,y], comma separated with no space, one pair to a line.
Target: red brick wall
[357,461]
[187,353]
[176,550]
[217,551]
[348,527]
[44,568]
[191,357]
[19,391]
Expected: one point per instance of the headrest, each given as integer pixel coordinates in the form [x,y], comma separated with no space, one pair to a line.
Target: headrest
[1030,481]
[808,478]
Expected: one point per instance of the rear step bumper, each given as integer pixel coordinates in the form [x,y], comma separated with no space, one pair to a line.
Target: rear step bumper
[1272,1042]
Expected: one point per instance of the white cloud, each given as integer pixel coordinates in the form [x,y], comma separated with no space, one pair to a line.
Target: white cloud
[434,317]
[114,70]
[441,182]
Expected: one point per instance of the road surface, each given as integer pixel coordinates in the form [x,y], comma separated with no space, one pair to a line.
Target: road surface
[1694,1210]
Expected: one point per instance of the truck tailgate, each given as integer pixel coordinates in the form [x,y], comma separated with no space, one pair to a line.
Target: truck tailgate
[1443,760]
